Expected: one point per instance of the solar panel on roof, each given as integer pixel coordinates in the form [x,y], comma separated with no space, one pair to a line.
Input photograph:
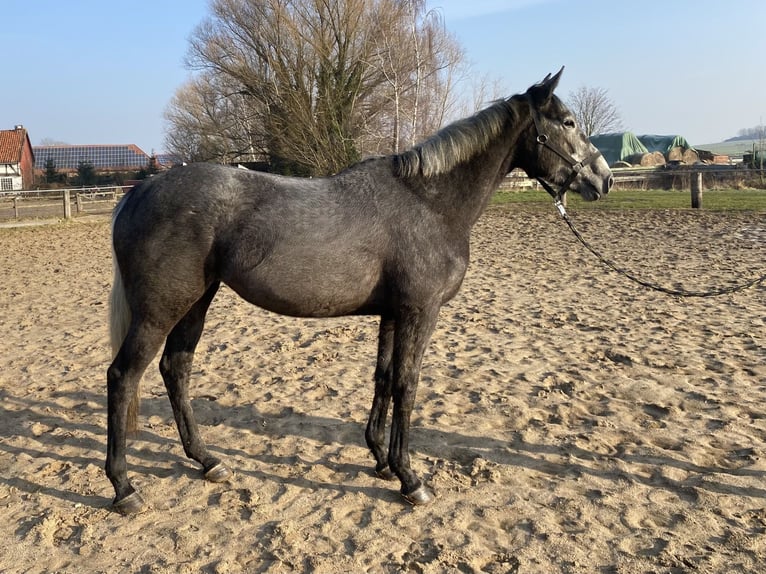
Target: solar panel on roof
[101,157]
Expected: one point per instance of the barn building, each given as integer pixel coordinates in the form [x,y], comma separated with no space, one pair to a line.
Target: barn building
[17,160]
[103,158]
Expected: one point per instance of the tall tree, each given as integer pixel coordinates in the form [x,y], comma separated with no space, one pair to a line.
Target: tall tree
[306,82]
[594,110]
[86,173]
[419,63]
[51,173]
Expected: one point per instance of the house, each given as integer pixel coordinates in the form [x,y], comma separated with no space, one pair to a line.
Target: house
[17,160]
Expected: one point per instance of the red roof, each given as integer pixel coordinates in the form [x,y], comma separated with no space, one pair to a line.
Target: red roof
[12,145]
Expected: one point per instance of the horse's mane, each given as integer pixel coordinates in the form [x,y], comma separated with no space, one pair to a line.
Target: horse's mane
[455,143]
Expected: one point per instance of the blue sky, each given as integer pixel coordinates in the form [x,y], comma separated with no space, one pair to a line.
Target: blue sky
[98,72]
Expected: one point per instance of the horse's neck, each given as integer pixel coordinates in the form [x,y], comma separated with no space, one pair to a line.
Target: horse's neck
[466,190]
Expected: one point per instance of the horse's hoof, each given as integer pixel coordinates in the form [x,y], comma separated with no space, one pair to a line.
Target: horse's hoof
[385,473]
[131,504]
[218,473]
[421,495]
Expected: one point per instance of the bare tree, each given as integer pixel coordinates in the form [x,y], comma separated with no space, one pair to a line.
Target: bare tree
[51,142]
[418,61]
[210,121]
[482,90]
[307,81]
[594,110]
[754,133]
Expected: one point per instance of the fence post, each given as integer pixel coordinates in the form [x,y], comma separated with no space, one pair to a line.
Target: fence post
[78,202]
[696,185]
[15,207]
[67,205]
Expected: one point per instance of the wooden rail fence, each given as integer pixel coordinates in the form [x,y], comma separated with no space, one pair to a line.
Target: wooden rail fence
[59,203]
[69,203]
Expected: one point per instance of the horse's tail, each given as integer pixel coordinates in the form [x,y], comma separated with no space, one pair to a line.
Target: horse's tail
[119,323]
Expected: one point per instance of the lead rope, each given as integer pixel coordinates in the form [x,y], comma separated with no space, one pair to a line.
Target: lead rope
[676,292]
[543,140]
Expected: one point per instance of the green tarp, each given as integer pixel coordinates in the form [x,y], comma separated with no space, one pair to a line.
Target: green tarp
[664,144]
[617,146]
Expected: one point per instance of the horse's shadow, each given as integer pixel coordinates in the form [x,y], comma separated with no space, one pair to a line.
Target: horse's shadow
[86,443]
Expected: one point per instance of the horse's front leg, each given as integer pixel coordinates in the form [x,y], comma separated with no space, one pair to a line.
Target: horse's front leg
[413,331]
[376,426]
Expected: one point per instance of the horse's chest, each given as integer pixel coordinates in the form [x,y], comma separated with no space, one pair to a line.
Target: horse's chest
[454,277]
[434,274]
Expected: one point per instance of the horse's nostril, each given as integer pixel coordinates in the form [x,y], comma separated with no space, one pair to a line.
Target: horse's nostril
[610,182]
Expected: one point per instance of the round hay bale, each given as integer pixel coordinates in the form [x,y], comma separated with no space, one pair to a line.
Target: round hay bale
[690,156]
[676,154]
[635,159]
[655,158]
[647,159]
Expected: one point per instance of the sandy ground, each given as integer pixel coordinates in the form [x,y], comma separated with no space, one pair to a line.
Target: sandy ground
[568,420]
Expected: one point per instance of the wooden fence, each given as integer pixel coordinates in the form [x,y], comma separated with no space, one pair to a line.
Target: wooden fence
[69,203]
[671,178]
[59,203]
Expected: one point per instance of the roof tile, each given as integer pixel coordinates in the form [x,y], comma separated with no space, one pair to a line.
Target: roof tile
[11,145]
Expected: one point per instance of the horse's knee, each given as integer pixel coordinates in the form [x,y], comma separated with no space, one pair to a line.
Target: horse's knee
[113,377]
[170,367]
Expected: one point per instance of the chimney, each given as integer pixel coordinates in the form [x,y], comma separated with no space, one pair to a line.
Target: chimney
[19,127]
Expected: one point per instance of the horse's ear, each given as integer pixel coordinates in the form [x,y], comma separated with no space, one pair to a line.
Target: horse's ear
[542,92]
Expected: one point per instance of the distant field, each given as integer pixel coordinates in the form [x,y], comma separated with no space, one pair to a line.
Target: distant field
[713,200]
[735,148]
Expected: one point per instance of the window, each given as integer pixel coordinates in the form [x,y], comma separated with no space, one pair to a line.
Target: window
[6,184]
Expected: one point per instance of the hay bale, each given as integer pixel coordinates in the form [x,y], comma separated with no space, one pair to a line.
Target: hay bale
[656,159]
[635,159]
[647,159]
[690,156]
[676,154]
[620,164]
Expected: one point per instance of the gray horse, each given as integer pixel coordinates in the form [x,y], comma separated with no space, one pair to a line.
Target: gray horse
[388,236]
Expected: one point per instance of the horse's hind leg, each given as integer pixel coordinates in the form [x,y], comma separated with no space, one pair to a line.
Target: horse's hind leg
[175,367]
[138,349]
[376,426]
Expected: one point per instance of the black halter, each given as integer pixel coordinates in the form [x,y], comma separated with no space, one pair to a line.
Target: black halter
[575,166]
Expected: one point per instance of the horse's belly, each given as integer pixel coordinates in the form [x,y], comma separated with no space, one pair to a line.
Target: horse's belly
[310,291]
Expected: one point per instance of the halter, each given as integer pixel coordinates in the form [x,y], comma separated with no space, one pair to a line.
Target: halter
[575,166]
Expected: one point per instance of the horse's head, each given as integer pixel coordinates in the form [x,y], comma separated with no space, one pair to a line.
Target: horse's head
[559,153]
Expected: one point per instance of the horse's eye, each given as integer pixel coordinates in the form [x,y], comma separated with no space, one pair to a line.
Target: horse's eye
[569,123]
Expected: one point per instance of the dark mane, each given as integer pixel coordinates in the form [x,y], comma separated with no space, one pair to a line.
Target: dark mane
[455,143]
